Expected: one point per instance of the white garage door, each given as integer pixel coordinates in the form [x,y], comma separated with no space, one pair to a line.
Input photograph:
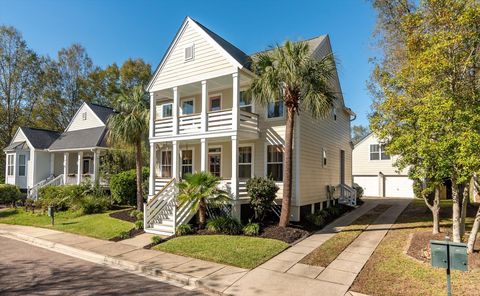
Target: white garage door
[369,184]
[398,186]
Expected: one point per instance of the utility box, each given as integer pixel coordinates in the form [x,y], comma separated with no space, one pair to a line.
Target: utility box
[51,212]
[449,255]
[458,256]
[439,250]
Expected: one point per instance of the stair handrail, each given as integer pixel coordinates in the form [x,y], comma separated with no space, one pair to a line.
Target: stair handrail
[33,192]
[351,198]
[159,206]
[160,191]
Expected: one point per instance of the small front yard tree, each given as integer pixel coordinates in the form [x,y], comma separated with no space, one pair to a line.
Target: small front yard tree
[128,128]
[304,84]
[262,192]
[201,189]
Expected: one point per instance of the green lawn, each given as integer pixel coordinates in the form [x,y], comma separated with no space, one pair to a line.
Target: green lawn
[328,251]
[97,225]
[240,251]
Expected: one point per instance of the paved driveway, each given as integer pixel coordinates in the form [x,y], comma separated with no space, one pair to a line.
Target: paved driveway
[29,270]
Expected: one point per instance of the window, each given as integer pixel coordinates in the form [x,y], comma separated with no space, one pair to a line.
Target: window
[22,165]
[84,116]
[86,166]
[10,164]
[167,110]
[166,164]
[216,103]
[324,158]
[245,162]
[334,114]
[246,101]
[187,106]
[187,162]
[377,152]
[189,52]
[275,109]
[215,161]
[275,162]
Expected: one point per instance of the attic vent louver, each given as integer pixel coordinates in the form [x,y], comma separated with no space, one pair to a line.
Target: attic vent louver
[189,52]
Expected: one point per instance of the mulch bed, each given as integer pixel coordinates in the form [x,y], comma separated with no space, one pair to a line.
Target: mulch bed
[420,248]
[123,215]
[133,232]
[286,234]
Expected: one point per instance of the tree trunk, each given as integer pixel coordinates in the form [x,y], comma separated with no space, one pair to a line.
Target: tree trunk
[138,160]
[455,213]
[473,234]
[435,209]
[287,168]
[463,213]
[202,216]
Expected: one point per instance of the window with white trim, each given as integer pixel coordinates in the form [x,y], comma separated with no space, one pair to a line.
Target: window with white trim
[275,109]
[22,165]
[324,158]
[245,162]
[275,162]
[190,52]
[166,163]
[335,114]
[216,103]
[246,101]
[187,106]
[167,110]
[215,161]
[187,162]
[377,152]
[10,164]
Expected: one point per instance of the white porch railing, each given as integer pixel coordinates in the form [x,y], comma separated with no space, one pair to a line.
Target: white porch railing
[189,124]
[163,127]
[348,195]
[220,120]
[248,121]
[161,207]
[33,192]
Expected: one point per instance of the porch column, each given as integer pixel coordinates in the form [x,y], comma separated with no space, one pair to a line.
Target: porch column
[79,167]
[175,111]
[203,155]
[234,185]
[175,158]
[204,115]
[235,101]
[65,167]
[96,167]
[152,115]
[153,156]
[52,163]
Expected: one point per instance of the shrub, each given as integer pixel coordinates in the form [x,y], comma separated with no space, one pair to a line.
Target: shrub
[91,204]
[156,240]
[9,194]
[139,224]
[60,197]
[30,204]
[224,224]
[138,215]
[262,192]
[252,229]
[184,229]
[123,186]
[358,189]
[124,235]
[316,219]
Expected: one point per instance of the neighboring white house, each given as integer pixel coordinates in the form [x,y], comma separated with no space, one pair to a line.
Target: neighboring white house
[374,171]
[203,120]
[37,157]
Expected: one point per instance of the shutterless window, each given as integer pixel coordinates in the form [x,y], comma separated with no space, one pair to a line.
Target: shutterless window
[245,162]
[21,165]
[246,101]
[275,109]
[324,158]
[10,164]
[275,162]
[167,110]
[187,162]
[189,52]
[166,164]
[377,152]
[187,107]
[383,154]
[215,103]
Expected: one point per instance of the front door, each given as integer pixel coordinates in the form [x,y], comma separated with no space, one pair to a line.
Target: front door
[215,161]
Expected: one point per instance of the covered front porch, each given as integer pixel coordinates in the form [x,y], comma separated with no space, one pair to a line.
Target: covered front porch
[75,167]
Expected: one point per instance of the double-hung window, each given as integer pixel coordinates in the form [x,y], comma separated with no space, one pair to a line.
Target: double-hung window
[187,106]
[187,162]
[245,162]
[166,164]
[275,162]
[216,103]
[246,101]
[22,161]
[377,152]
[275,109]
[167,110]
[10,164]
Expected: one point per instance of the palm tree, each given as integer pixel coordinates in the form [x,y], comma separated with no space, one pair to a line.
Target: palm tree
[201,189]
[304,84]
[128,127]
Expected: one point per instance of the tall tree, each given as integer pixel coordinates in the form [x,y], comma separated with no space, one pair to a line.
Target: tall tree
[359,132]
[304,84]
[128,127]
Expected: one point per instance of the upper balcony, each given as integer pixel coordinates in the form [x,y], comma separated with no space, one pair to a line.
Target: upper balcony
[209,108]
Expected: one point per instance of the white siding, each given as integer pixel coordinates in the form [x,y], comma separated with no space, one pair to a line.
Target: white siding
[19,137]
[209,62]
[78,123]
[363,166]
[42,166]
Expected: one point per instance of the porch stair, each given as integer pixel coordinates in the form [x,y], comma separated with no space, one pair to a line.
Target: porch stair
[348,195]
[162,214]
[52,180]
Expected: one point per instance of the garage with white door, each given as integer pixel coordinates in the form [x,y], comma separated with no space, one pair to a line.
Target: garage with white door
[398,186]
[369,184]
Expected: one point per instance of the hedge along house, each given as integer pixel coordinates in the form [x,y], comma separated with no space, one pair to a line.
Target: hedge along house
[202,119]
[38,157]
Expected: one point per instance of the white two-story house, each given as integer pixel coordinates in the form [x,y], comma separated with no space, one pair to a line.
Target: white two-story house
[39,157]
[203,120]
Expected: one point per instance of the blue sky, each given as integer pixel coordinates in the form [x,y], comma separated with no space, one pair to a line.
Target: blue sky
[113,31]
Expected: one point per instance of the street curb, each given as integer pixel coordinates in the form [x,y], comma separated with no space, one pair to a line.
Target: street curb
[169,277]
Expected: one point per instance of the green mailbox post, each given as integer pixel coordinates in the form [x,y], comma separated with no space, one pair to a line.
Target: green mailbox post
[449,255]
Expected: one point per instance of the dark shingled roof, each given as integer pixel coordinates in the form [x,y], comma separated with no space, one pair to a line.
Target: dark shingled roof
[40,138]
[86,138]
[102,112]
[234,51]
